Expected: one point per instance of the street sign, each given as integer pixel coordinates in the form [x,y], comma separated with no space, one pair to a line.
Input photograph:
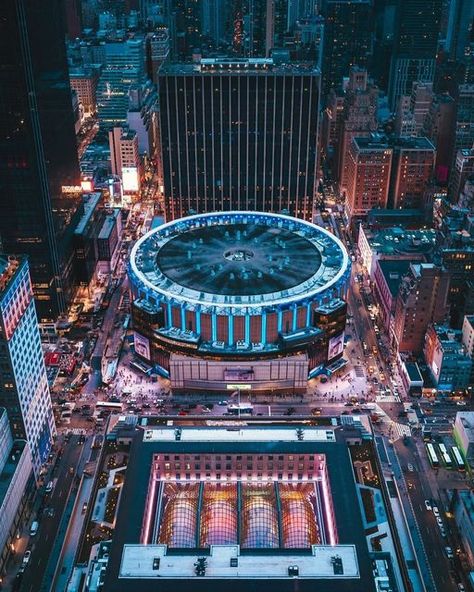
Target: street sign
[239,387]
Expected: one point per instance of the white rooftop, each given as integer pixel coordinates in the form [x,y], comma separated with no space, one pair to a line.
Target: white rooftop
[138,560]
[208,434]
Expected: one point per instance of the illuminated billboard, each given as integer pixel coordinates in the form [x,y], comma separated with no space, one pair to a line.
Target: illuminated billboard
[130,178]
[142,346]
[86,185]
[336,346]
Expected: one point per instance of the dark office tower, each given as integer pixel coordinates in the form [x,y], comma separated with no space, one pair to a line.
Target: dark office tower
[187,30]
[239,135]
[38,154]
[348,39]
[415,45]
[257,21]
[300,9]
[73,18]
[216,23]
[384,19]
[460,30]
[464,131]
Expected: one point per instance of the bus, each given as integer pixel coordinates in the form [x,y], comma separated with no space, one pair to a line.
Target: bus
[240,409]
[432,455]
[445,456]
[106,406]
[457,458]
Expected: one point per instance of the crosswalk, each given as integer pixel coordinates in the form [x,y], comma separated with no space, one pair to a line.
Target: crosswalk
[359,371]
[387,399]
[77,431]
[398,430]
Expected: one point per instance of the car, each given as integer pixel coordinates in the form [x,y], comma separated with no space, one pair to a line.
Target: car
[461,587]
[316,411]
[26,557]
[428,505]
[461,404]
[436,511]
[449,552]
[443,532]
[49,487]
[410,467]
[71,470]
[84,508]
[439,521]
[34,528]
[222,403]
[183,412]
[206,409]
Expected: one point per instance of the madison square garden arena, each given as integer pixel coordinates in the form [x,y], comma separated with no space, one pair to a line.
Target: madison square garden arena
[239,298]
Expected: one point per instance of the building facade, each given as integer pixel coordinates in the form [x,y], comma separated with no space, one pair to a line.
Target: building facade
[464,434]
[24,390]
[84,82]
[447,358]
[348,39]
[125,158]
[468,334]
[359,119]
[387,279]
[15,477]
[124,65]
[412,169]
[368,175]
[463,510]
[392,172]
[417,25]
[462,170]
[464,133]
[422,300]
[439,128]
[38,153]
[239,135]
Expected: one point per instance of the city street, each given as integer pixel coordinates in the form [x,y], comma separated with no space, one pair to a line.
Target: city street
[42,543]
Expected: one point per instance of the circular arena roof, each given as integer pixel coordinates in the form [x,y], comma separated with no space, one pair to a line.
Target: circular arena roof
[238,259]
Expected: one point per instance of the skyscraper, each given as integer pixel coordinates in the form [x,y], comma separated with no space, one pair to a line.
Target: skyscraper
[422,299]
[415,45]
[368,174]
[412,169]
[38,154]
[460,31]
[348,39]
[359,118]
[124,66]
[24,390]
[464,131]
[239,134]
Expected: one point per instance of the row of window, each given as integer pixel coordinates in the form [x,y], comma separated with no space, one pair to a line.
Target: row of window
[241,476]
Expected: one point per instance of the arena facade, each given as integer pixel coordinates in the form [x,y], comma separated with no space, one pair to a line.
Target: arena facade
[239,298]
